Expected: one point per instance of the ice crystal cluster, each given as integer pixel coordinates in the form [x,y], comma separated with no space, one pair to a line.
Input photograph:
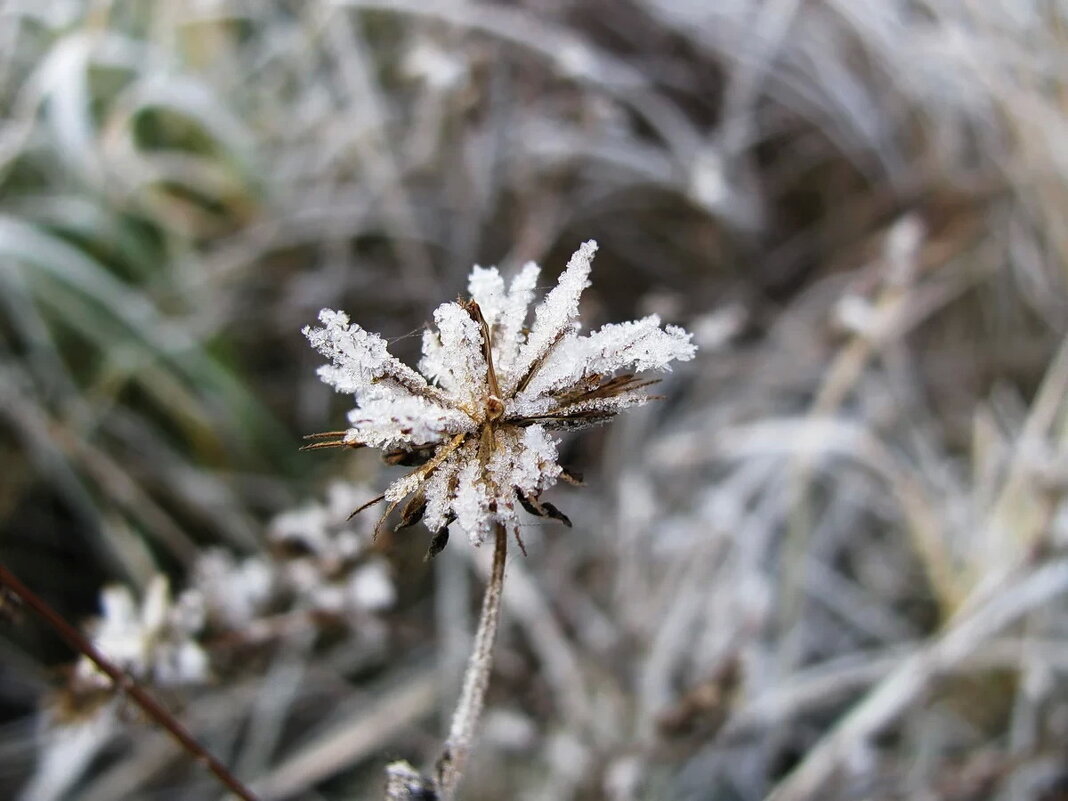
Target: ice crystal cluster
[476,420]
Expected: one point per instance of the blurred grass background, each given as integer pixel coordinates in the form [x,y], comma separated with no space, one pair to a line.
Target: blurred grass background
[831,564]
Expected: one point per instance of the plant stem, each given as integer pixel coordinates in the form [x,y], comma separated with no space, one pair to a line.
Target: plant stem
[123,682]
[454,755]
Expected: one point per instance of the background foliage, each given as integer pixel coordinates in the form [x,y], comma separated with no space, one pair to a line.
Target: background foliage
[830,564]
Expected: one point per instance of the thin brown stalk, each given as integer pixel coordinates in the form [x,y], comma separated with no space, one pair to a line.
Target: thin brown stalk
[458,745]
[318,446]
[123,682]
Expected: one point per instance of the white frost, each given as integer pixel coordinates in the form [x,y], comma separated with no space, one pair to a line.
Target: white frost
[557,313]
[487,450]
[506,313]
[471,501]
[461,353]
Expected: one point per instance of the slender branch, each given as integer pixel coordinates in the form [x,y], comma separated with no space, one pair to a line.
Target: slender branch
[454,755]
[124,683]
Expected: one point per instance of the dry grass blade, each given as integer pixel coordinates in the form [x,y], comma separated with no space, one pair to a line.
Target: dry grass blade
[353,738]
[317,446]
[906,684]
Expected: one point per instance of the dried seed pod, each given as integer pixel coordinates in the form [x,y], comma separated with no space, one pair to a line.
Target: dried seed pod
[476,423]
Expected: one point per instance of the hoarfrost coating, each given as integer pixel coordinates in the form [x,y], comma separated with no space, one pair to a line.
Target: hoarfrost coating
[476,420]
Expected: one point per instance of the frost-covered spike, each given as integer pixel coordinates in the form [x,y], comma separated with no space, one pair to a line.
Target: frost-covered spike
[486,288]
[598,410]
[637,345]
[406,485]
[508,329]
[563,366]
[390,423]
[579,414]
[432,365]
[439,489]
[403,487]
[397,492]
[524,459]
[537,468]
[359,359]
[461,351]
[504,312]
[471,501]
[555,315]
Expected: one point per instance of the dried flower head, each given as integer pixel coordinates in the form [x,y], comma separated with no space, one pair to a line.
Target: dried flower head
[319,562]
[155,641]
[325,561]
[476,422]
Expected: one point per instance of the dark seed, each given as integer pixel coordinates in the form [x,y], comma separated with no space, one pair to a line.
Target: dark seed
[437,545]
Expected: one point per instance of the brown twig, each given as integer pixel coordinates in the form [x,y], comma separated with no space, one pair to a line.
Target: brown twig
[123,682]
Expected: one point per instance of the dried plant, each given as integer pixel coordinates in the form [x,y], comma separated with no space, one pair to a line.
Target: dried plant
[134,638]
[829,567]
[476,422]
[319,574]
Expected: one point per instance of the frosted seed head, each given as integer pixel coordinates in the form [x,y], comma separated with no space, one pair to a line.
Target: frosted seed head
[153,641]
[477,432]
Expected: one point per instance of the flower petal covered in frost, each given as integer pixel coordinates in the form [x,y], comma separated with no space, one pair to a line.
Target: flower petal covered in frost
[477,421]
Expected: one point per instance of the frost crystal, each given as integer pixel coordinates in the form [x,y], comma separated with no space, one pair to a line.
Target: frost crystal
[476,421]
